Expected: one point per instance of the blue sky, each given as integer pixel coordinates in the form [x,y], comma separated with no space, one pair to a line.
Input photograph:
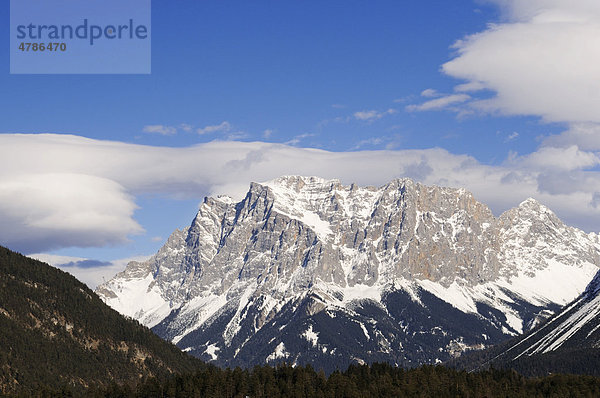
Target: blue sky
[461,83]
[280,66]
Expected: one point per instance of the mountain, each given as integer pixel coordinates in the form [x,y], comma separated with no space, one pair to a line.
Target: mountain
[307,270]
[569,342]
[55,333]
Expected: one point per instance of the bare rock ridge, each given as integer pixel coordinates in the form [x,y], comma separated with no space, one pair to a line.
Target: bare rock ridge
[307,270]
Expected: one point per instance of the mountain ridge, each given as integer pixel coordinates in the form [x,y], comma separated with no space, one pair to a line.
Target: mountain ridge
[313,252]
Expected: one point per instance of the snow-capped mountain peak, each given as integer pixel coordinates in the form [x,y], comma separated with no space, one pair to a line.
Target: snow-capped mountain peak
[306,256]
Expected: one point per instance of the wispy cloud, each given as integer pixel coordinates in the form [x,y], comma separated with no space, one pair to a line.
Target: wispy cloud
[430,93]
[438,103]
[186,127]
[160,129]
[389,142]
[372,115]
[338,119]
[368,142]
[362,116]
[225,128]
[512,136]
[217,128]
[267,133]
[236,135]
[299,138]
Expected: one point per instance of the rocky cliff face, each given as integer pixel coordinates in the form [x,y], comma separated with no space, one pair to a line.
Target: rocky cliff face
[307,270]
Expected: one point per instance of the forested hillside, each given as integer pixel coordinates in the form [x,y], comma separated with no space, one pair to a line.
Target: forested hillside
[55,332]
[377,380]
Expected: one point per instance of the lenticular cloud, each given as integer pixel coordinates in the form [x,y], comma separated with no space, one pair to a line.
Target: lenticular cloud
[50,210]
[61,190]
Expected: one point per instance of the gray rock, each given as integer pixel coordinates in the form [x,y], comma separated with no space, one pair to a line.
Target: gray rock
[303,250]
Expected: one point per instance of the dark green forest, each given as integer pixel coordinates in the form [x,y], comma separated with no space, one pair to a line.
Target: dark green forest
[58,339]
[377,380]
[55,332]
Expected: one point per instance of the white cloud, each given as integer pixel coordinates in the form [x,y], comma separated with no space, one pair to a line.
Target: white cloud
[549,158]
[542,61]
[60,190]
[160,129]
[469,87]
[563,172]
[223,127]
[512,136]
[236,135]
[585,135]
[439,103]
[430,93]
[549,10]
[217,128]
[268,133]
[369,142]
[186,127]
[50,208]
[372,115]
[298,138]
[366,115]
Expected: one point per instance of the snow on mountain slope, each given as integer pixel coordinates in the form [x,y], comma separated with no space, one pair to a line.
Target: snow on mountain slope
[577,326]
[403,273]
